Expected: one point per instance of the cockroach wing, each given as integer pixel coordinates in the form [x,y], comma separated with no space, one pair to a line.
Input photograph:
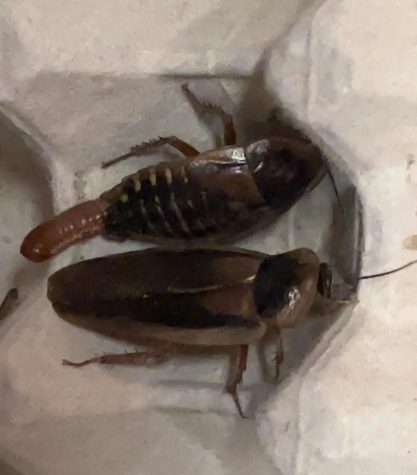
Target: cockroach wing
[196,297]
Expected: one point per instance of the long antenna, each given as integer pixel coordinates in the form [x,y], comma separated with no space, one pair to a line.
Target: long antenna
[381,274]
[334,186]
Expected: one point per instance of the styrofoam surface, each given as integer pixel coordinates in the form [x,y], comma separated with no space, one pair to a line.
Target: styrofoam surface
[80,82]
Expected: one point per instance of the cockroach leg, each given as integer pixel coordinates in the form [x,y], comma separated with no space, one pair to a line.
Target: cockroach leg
[153,145]
[240,368]
[279,354]
[135,357]
[229,133]
[183,147]
[155,356]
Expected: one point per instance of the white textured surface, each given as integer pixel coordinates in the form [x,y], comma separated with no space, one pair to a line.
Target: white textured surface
[85,80]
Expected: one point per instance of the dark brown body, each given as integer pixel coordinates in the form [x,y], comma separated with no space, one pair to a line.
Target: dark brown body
[177,299]
[192,297]
[211,197]
[179,296]
[216,196]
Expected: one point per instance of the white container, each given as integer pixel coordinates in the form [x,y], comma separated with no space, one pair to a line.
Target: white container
[80,82]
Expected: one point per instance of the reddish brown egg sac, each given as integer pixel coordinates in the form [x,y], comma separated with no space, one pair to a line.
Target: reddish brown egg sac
[53,236]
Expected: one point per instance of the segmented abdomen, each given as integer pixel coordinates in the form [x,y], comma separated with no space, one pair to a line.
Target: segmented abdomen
[165,202]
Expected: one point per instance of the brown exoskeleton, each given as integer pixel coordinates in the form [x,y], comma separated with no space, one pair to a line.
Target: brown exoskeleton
[214,196]
[189,298]
[184,299]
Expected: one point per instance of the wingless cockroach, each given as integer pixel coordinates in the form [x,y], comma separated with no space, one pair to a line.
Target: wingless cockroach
[215,196]
[179,299]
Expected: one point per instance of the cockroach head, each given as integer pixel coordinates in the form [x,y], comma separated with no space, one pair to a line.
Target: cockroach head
[277,285]
[284,169]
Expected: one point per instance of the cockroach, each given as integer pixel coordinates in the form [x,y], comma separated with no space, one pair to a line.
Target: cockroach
[184,299]
[8,303]
[211,197]
[188,298]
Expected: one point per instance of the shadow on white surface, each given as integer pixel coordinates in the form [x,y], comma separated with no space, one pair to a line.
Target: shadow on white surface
[87,422]
[26,198]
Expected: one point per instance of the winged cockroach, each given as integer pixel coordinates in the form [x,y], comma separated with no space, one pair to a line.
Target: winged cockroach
[189,298]
[214,196]
[180,299]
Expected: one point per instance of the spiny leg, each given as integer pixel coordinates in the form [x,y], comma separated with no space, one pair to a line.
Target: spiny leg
[134,357]
[240,368]
[229,132]
[279,354]
[152,145]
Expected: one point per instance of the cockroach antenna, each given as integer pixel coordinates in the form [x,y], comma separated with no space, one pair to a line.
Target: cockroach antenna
[334,186]
[381,274]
